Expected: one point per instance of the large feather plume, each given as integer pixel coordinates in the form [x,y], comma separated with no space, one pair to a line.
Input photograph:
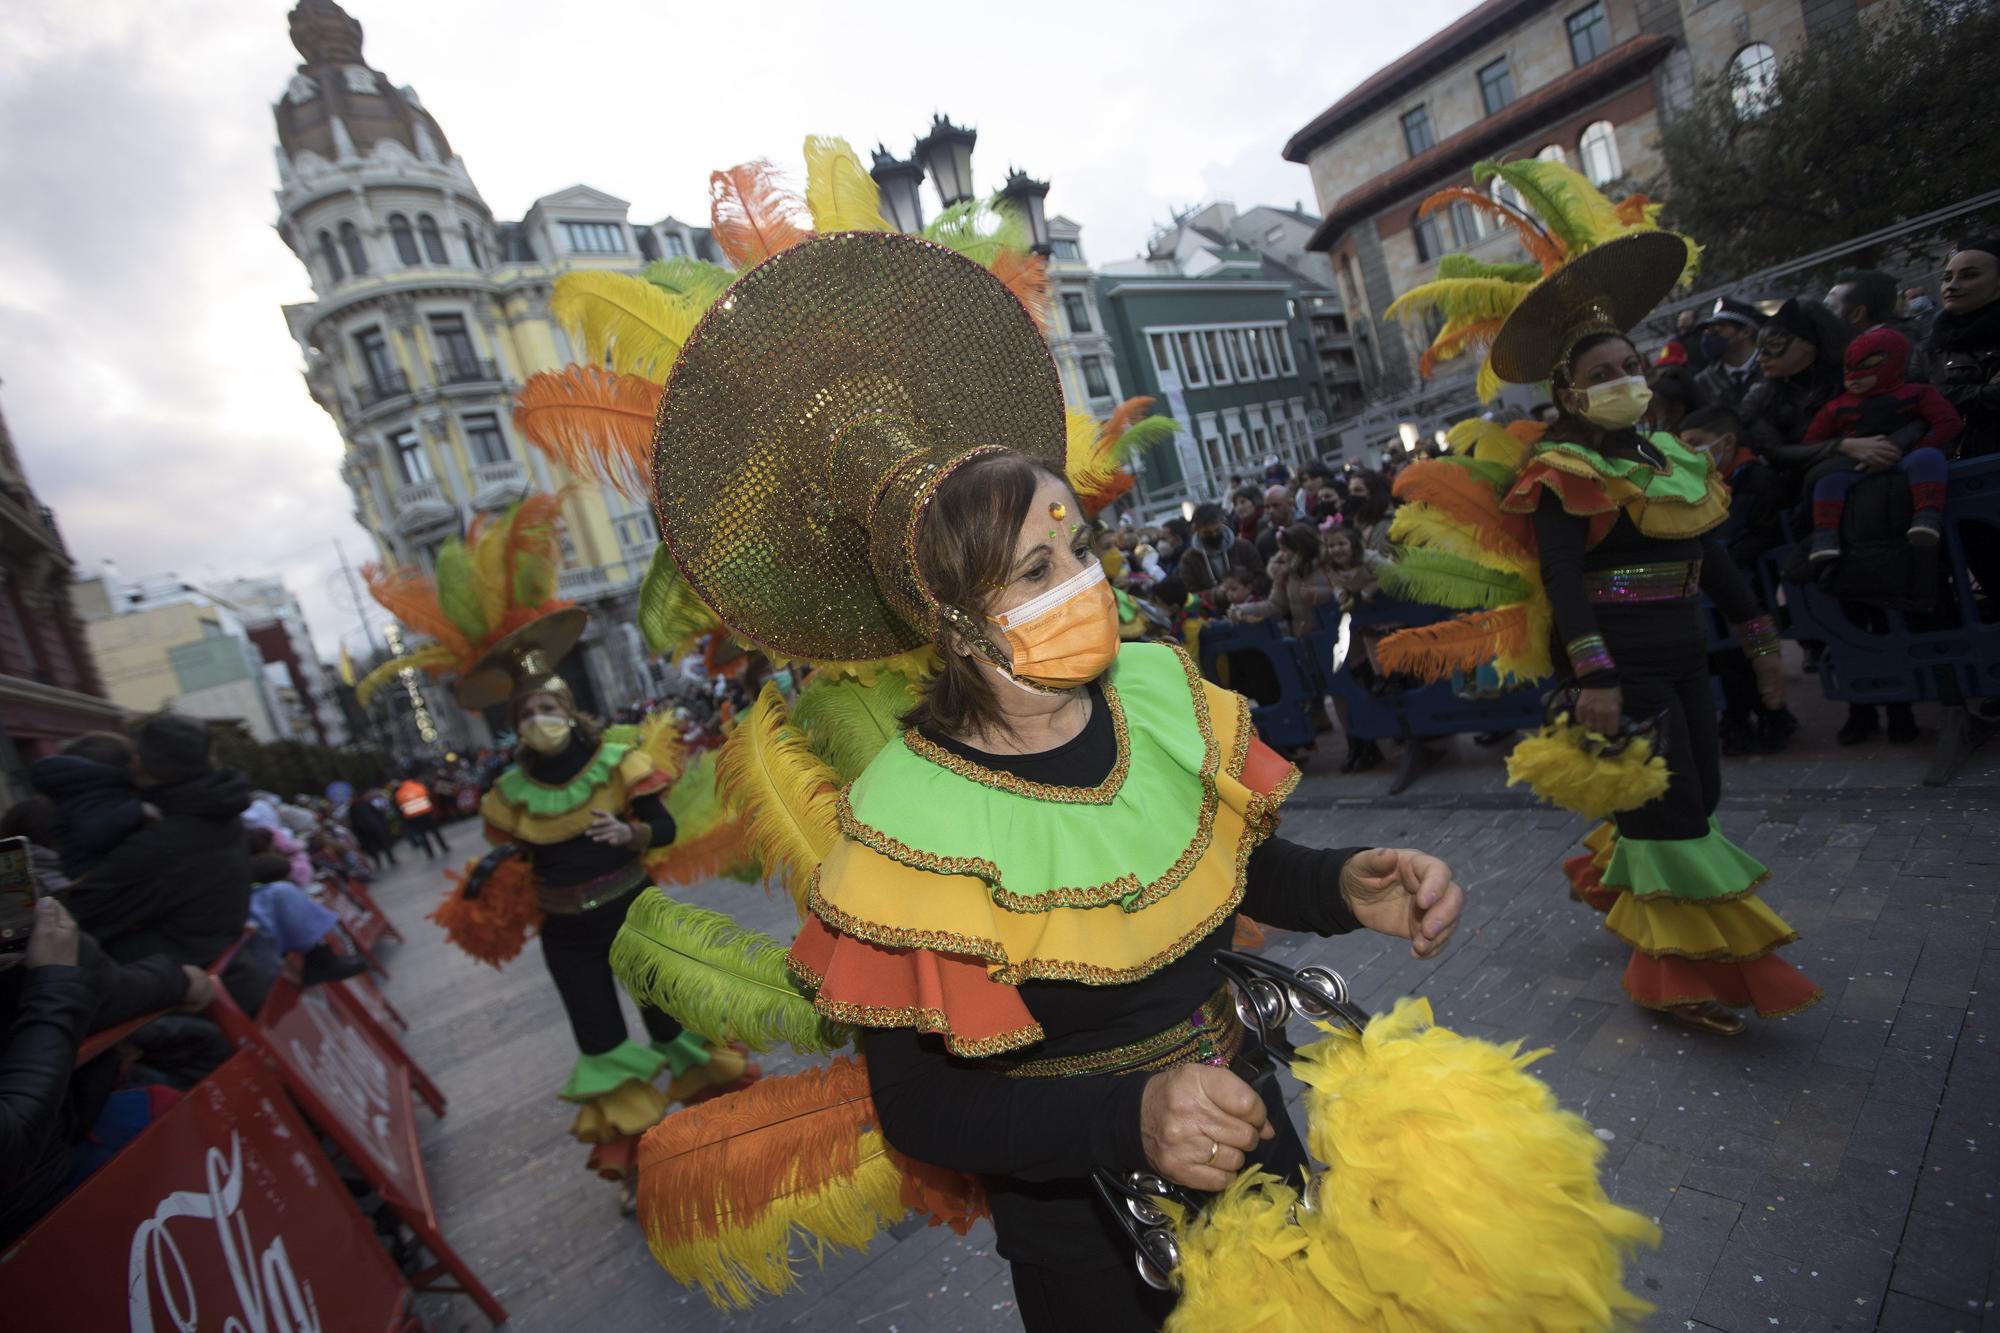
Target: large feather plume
[494,926]
[1541,247]
[979,231]
[726,1187]
[411,597]
[1458,299]
[1437,578]
[1027,276]
[433,658]
[840,193]
[671,616]
[1568,206]
[716,978]
[709,839]
[636,325]
[753,215]
[594,422]
[1095,454]
[785,792]
[458,590]
[695,281]
[848,721]
[1463,495]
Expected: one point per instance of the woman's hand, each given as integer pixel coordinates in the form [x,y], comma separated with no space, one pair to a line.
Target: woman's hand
[1198,1124]
[1875,453]
[1601,711]
[1406,893]
[1769,668]
[200,990]
[52,943]
[609,829]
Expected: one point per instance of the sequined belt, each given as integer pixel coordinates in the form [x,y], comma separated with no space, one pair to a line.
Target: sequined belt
[571,899]
[1675,581]
[1212,1035]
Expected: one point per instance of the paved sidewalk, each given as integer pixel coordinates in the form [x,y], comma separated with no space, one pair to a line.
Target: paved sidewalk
[1832,1171]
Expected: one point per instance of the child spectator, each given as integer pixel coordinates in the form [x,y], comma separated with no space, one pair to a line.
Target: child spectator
[1904,426]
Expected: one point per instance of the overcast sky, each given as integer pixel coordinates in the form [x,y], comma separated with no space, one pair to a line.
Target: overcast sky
[146,372]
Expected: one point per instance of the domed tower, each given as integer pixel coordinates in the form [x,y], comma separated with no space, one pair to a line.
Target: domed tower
[427,316]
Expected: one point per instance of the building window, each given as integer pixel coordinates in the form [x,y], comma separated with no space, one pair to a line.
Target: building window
[1599,150]
[405,240]
[1496,85]
[1753,78]
[1191,363]
[330,256]
[1589,33]
[1094,383]
[1068,252]
[472,247]
[1163,353]
[1429,244]
[1212,342]
[1236,444]
[1076,312]
[427,229]
[384,376]
[457,361]
[1259,440]
[1417,130]
[412,463]
[594,238]
[635,527]
[482,435]
[649,244]
[350,244]
[1281,339]
[677,246]
[1553,153]
[1239,352]
[1466,223]
[1266,368]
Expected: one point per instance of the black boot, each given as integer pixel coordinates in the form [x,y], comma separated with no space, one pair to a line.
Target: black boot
[322,964]
[1775,729]
[1902,724]
[1861,723]
[1738,737]
[1370,756]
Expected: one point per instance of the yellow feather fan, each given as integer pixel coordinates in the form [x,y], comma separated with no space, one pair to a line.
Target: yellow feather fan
[785,792]
[840,193]
[1557,768]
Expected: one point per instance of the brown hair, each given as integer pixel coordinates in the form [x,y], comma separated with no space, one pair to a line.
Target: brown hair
[965,550]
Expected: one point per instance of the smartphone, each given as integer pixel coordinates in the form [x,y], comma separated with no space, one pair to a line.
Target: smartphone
[17,895]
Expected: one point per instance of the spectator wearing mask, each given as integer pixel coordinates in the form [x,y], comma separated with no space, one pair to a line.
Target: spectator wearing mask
[1175,534]
[1866,298]
[1964,346]
[1800,350]
[1918,307]
[1684,349]
[1367,513]
[1214,552]
[1301,586]
[1278,515]
[1730,332]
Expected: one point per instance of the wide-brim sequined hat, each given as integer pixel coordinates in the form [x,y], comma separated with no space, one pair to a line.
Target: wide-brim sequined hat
[811,416]
[524,662]
[1608,288]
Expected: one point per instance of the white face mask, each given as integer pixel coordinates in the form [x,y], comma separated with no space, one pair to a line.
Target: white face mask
[546,735]
[1618,403]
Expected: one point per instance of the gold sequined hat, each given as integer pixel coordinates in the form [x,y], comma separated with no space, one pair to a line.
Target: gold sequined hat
[1608,288]
[812,415]
[524,662]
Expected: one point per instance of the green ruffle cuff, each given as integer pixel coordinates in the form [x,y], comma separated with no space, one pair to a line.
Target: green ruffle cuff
[685,1052]
[594,1075]
[1707,869]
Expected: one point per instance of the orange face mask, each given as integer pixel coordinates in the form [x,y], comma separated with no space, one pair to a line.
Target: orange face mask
[1066,636]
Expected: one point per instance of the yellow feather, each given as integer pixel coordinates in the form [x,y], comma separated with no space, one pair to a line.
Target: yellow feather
[1459,298]
[1487,441]
[840,193]
[786,794]
[639,326]
[1556,767]
[489,567]
[1426,526]
[432,657]
[660,741]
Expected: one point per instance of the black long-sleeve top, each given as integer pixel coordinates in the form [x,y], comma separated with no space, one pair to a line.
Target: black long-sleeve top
[582,858]
[1036,1140]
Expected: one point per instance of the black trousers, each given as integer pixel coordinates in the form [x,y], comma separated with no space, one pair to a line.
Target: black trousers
[577,949]
[1663,671]
[423,829]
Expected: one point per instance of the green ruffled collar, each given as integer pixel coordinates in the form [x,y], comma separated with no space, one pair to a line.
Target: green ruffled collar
[1686,477]
[517,788]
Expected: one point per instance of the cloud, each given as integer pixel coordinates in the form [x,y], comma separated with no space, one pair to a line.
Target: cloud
[149,380]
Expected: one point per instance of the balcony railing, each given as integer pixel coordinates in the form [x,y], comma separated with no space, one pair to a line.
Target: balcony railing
[420,495]
[381,388]
[497,483]
[467,370]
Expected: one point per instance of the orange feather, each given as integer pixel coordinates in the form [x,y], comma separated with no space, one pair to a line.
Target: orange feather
[494,926]
[1027,276]
[410,595]
[1122,419]
[594,422]
[1463,496]
[1463,643]
[754,216]
[1542,248]
[1449,345]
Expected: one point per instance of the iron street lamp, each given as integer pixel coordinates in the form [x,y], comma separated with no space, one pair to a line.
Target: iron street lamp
[898,182]
[1029,196]
[945,154]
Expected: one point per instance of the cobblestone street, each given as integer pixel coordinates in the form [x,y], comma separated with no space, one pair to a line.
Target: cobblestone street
[1831,1171]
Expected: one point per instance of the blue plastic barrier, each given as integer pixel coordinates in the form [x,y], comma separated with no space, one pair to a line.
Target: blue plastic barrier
[1287,722]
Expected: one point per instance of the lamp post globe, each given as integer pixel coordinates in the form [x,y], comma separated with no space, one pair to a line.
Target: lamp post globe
[945,154]
[1029,197]
[899,182]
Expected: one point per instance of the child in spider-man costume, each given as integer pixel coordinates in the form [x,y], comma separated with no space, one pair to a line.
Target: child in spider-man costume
[1914,417]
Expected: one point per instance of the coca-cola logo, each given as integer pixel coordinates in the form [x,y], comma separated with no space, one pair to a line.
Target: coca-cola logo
[351,1073]
[270,1298]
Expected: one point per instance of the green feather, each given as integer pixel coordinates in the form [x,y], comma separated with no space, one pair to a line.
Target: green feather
[847,723]
[1465,266]
[1493,474]
[534,578]
[458,590]
[978,231]
[670,615]
[1143,435]
[693,280]
[1437,579]
[716,978]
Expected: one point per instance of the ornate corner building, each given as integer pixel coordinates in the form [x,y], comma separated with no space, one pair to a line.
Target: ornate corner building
[428,314]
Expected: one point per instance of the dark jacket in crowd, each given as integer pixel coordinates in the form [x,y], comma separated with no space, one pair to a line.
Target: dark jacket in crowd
[370,825]
[1964,353]
[180,886]
[1202,567]
[1720,388]
[47,1105]
[100,806]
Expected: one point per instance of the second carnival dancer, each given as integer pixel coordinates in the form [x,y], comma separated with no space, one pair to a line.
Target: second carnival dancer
[1622,521]
[861,454]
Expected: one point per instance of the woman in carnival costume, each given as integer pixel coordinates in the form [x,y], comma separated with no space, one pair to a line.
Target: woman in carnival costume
[573,817]
[1612,524]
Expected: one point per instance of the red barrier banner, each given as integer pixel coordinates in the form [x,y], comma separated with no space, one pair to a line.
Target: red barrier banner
[223,1214]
